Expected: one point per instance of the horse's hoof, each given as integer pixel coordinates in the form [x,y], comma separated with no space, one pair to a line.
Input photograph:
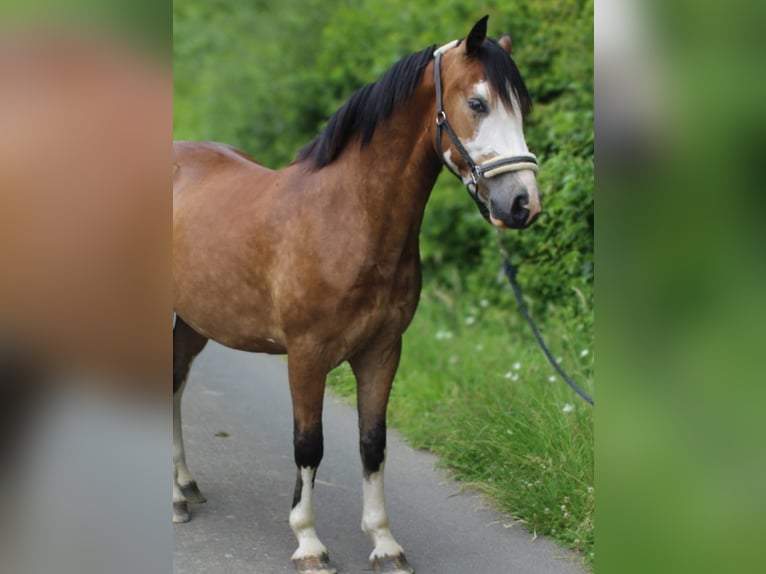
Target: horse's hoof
[392,565]
[314,565]
[192,493]
[181,512]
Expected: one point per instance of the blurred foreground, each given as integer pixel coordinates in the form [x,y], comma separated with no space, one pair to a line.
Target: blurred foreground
[85,300]
[680,239]
[86,491]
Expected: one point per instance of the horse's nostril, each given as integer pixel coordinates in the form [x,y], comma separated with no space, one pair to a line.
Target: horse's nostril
[519,212]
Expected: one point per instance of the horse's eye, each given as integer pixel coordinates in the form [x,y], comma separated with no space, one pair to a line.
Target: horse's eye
[477,105]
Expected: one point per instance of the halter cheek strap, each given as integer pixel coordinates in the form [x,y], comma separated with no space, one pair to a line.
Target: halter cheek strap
[487,169]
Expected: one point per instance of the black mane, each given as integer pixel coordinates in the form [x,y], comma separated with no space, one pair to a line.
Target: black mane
[375,102]
[368,107]
[502,74]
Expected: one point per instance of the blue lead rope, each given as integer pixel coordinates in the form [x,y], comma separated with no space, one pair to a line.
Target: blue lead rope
[510,272]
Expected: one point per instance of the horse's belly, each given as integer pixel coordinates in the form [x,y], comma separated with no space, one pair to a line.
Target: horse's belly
[219,303]
[235,317]
[240,333]
[270,346]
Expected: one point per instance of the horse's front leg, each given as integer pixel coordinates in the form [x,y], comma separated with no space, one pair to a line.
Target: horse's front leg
[374,370]
[307,383]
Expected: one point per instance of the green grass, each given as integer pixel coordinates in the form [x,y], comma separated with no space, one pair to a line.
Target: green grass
[475,389]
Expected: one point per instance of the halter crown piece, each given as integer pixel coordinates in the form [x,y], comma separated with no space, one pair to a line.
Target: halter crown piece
[490,168]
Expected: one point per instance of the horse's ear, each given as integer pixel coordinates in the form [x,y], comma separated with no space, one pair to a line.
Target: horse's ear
[476,36]
[505,43]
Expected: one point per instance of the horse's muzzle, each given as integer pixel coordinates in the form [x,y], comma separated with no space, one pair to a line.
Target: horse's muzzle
[515,216]
[515,212]
[514,201]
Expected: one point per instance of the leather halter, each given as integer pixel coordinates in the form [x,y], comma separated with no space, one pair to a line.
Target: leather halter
[489,168]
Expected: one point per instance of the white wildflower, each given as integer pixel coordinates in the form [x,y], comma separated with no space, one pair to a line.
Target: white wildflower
[552,378]
[470,320]
[516,366]
[584,353]
[568,408]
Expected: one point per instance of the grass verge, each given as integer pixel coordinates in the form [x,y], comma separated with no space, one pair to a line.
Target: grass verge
[474,388]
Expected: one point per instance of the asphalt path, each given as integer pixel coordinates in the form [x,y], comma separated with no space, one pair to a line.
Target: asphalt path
[238,432]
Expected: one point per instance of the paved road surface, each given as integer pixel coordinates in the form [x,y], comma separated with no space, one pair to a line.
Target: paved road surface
[238,429]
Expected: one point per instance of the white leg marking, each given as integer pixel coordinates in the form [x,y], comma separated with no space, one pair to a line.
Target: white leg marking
[177,494]
[302,520]
[182,474]
[375,517]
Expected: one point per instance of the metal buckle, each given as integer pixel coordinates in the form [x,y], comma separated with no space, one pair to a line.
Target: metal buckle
[475,175]
[441,117]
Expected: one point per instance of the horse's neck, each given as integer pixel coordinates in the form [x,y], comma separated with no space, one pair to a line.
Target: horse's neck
[394,175]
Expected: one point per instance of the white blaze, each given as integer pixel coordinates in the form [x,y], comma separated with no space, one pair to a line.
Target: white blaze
[501,131]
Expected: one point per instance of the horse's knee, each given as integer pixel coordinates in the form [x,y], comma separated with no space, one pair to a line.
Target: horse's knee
[308,443]
[372,447]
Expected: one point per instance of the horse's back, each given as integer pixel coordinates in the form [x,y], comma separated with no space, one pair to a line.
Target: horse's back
[193,161]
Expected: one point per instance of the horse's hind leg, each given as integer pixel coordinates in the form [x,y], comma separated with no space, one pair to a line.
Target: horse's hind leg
[187,344]
[374,369]
[307,382]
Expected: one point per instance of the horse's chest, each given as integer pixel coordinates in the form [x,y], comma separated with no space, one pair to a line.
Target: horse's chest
[388,302]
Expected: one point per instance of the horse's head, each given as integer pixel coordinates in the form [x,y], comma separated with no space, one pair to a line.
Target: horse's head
[481,103]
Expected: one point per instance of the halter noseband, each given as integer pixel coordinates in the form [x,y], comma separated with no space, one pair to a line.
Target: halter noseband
[489,168]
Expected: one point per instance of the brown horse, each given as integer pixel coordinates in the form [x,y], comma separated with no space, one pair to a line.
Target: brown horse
[320,260]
